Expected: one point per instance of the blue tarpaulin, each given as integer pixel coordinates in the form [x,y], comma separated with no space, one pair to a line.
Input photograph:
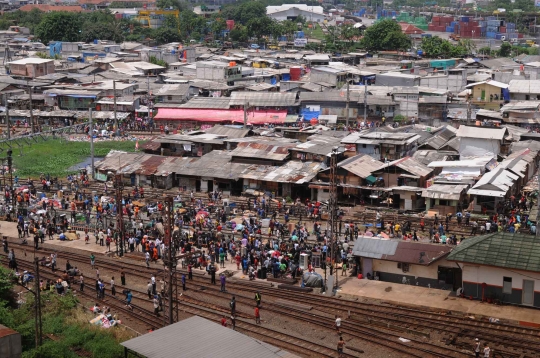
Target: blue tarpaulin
[506,94]
[309,115]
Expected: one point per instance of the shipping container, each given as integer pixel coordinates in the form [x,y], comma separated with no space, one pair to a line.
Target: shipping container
[465,19]
[502,29]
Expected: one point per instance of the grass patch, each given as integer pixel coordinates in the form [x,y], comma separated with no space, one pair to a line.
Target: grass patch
[66,330]
[55,156]
[317,32]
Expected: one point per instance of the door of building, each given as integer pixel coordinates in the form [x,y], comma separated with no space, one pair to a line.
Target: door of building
[528,292]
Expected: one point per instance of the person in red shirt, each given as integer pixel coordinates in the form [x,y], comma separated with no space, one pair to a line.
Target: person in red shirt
[257,316]
[238,259]
[224,322]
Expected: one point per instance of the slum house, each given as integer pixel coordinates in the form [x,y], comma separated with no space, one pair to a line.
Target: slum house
[355,182]
[219,71]
[137,69]
[489,94]
[71,99]
[427,156]
[173,93]
[465,171]
[383,145]
[522,113]
[301,133]
[197,143]
[313,104]
[290,179]
[397,79]
[493,189]
[31,67]
[500,267]
[440,139]
[318,150]
[279,103]
[407,98]
[443,199]
[452,80]
[407,262]
[404,172]
[262,152]
[482,142]
[524,90]
[337,75]
[123,104]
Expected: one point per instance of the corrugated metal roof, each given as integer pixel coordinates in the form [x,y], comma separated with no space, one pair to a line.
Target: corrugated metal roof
[410,165]
[177,89]
[263,99]
[446,192]
[190,337]
[495,183]
[481,132]
[321,145]
[268,151]
[361,165]
[427,156]
[524,86]
[296,172]
[501,249]
[208,103]
[374,247]
[331,96]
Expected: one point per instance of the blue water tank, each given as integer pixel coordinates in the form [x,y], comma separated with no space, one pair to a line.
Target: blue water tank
[96,41]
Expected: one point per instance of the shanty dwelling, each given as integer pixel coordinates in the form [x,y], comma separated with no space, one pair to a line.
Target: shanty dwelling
[397,79]
[31,67]
[442,199]
[440,139]
[524,90]
[355,182]
[405,171]
[383,145]
[500,267]
[313,104]
[489,94]
[262,152]
[407,198]
[523,113]
[407,262]
[482,141]
[318,150]
[503,181]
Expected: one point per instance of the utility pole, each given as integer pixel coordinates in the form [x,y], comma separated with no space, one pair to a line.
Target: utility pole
[246,105]
[332,206]
[117,129]
[7,118]
[347,105]
[39,327]
[365,101]
[170,278]
[30,89]
[91,132]
[119,213]
[468,109]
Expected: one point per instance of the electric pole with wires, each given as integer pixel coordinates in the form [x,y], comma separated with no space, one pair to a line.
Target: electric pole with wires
[332,209]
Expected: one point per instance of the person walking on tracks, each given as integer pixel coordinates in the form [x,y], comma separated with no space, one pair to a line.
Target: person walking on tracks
[212,270]
[113,288]
[81,282]
[92,260]
[340,345]
[222,280]
[232,304]
[337,324]
[183,282]
[149,290]
[153,280]
[487,351]
[257,315]
[190,271]
[156,305]
[258,298]
[129,297]
[123,278]
[476,347]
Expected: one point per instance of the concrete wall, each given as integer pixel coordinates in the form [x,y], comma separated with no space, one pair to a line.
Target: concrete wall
[418,275]
[475,275]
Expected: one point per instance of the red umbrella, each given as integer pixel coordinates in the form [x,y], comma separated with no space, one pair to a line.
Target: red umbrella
[314,121]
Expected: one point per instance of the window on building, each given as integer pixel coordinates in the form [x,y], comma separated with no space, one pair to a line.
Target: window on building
[507,285]
[364,145]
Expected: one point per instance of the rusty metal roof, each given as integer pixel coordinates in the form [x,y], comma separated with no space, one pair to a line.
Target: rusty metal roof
[258,150]
[296,172]
[361,165]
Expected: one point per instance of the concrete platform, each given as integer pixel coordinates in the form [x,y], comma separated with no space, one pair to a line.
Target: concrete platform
[434,300]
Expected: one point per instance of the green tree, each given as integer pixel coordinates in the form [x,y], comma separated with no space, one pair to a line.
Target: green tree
[385,35]
[59,26]
[260,27]
[191,22]
[165,35]
[438,47]
[239,33]
[505,49]
[245,12]
[166,4]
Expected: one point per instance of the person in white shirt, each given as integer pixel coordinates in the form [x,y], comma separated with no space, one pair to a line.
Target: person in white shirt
[487,351]
[337,324]
[477,348]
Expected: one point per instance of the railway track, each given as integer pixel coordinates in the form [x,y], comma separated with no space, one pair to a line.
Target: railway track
[457,329]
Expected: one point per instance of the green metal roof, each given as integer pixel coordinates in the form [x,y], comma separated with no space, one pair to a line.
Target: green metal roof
[516,251]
